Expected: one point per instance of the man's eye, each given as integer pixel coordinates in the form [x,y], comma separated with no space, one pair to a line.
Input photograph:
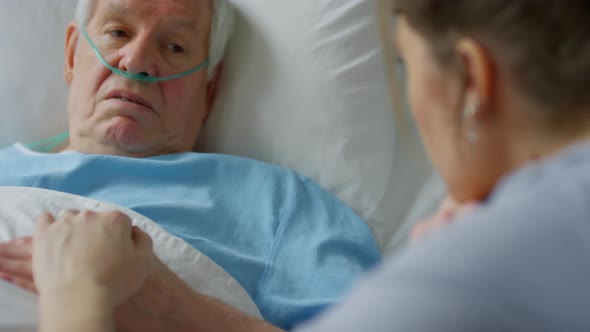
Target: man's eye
[118,33]
[175,48]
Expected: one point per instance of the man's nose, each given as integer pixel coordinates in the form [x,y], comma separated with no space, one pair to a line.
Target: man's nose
[138,58]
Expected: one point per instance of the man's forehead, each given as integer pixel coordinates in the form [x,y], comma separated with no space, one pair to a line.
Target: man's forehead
[185,13]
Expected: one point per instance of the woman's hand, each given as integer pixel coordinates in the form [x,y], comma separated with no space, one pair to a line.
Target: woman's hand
[87,253]
[447,213]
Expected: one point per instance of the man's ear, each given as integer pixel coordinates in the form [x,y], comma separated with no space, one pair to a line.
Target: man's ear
[72,36]
[212,87]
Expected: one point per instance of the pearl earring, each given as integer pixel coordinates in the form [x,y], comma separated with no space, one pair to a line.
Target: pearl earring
[469,114]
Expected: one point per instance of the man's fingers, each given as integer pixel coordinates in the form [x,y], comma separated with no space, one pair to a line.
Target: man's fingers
[16,250]
[19,282]
[19,268]
[22,241]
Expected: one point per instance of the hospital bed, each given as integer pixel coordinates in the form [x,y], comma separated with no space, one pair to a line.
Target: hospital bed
[305,86]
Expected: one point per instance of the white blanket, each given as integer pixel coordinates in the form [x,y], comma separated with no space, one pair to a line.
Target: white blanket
[20,206]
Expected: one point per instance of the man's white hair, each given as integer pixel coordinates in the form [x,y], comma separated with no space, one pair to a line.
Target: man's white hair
[222,27]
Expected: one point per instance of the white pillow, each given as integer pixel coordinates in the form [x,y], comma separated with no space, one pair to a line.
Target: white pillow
[304,87]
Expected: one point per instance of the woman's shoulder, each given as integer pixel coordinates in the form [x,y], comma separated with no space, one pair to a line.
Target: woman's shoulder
[559,186]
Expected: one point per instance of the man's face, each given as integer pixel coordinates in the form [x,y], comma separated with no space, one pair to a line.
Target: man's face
[110,114]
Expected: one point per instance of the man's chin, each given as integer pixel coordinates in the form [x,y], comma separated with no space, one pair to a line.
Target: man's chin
[128,138]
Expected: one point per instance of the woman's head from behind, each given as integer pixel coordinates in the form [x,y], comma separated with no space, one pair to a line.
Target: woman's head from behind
[495,83]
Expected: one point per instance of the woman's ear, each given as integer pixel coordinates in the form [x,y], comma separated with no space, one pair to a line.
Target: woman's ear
[479,75]
[72,37]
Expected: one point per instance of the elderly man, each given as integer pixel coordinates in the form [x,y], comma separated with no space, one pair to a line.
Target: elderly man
[139,95]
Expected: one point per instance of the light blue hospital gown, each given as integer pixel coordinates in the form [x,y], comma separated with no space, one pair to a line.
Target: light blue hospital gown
[520,264]
[291,245]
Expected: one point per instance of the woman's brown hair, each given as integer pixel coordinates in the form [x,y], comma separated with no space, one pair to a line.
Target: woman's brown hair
[544,43]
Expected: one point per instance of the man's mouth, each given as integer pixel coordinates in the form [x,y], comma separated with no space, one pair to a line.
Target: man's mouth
[131,98]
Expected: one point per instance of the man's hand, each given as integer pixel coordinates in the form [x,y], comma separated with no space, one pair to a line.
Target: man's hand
[154,307]
[164,302]
[16,263]
[448,212]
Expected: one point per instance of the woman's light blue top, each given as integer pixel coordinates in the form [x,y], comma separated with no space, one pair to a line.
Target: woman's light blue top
[520,263]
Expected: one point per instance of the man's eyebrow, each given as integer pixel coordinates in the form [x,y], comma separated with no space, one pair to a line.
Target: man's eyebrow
[117,9]
[182,24]
[113,11]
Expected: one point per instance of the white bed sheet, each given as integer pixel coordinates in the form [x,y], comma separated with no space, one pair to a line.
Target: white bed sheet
[20,206]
